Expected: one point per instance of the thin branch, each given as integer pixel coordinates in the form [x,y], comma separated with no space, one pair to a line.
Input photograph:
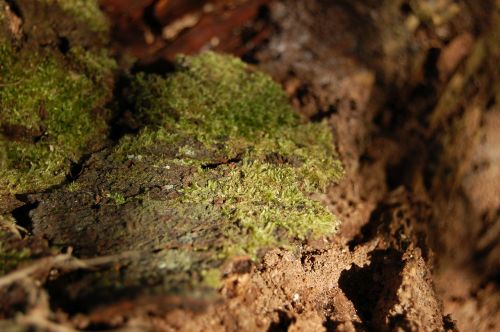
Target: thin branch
[65,262]
[39,265]
[42,323]
[6,84]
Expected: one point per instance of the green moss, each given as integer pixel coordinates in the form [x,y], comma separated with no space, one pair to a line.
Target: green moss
[73,186]
[211,278]
[97,65]
[52,103]
[10,258]
[238,114]
[262,205]
[47,118]
[116,198]
[222,167]
[213,98]
[86,11]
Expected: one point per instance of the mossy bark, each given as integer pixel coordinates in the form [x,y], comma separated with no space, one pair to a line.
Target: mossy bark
[55,81]
[221,167]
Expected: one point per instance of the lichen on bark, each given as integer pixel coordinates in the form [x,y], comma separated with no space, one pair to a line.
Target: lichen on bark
[222,167]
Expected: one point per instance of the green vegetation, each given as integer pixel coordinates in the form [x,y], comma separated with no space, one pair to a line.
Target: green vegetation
[263,164]
[47,116]
[11,257]
[51,104]
[211,97]
[86,11]
[222,167]
[116,198]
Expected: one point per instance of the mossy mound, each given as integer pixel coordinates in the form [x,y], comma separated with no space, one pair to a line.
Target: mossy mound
[267,162]
[52,93]
[223,167]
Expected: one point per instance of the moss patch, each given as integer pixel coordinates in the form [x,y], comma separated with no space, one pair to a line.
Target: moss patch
[200,99]
[223,167]
[86,11]
[244,116]
[11,258]
[15,251]
[52,108]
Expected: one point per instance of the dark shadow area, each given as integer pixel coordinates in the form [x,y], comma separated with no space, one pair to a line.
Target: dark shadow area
[123,121]
[22,214]
[377,218]
[372,288]
[282,324]
[160,66]
[333,326]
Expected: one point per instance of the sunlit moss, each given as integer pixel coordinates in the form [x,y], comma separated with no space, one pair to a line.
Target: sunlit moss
[48,117]
[52,100]
[262,206]
[211,278]
[116,198]
[85,10]
[213,97]
[222,167]
[238,114]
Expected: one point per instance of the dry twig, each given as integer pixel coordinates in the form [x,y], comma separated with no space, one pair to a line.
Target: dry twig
[65,262]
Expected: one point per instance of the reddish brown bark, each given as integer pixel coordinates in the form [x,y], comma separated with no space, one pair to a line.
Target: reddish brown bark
[139,26]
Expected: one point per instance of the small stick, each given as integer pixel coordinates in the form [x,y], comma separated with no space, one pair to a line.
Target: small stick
[2,85]
[41,264]
[43,324]
[63,261]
